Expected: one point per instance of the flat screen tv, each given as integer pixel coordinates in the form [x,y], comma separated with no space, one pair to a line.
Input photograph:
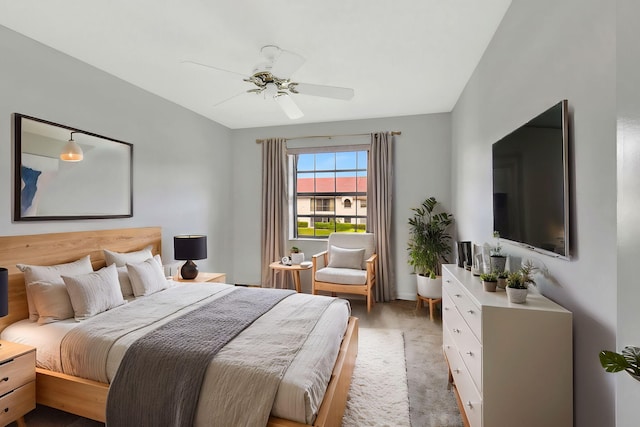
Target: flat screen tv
[531,183]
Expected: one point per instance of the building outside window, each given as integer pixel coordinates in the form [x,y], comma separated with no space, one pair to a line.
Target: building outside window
[330,193]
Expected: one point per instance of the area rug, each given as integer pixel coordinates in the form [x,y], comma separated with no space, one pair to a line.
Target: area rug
[379,395]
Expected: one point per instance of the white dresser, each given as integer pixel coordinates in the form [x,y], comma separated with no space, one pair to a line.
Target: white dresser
[511,364]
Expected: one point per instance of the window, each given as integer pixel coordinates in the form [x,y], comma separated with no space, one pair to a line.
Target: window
[329,191]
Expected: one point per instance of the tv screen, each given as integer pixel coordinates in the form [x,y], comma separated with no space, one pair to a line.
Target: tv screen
[531,183]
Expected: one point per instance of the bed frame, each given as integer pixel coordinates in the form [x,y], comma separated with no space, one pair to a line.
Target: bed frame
[88,398]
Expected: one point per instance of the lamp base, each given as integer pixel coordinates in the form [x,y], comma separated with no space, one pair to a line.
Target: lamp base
[189,270]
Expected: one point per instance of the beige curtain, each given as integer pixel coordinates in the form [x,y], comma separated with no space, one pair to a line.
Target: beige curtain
[379,207]
[274,206]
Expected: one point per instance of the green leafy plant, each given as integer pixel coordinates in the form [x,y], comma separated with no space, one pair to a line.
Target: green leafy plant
[504,274]
[527,271]
[515,281]
[295,250]
[489,277]
[497,249]
[628,361]
[429,241]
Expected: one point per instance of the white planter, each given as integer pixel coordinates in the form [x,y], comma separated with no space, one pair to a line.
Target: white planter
[429,288]
[517,296]
[297,258]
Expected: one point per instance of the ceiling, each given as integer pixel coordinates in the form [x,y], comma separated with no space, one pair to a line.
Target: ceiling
[401,57]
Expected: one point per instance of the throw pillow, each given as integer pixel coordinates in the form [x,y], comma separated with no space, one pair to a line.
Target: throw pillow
[345,258]
[95,292]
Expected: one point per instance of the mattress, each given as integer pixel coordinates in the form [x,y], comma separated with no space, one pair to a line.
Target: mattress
[302,388]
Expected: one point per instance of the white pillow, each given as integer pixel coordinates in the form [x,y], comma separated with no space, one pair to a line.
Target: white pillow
[51,274]
[51,300]
[125,280]
[146,277]
[346,258]
[120,259]
[95,292]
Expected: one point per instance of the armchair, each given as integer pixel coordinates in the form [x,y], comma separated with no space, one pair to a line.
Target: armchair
[347,266]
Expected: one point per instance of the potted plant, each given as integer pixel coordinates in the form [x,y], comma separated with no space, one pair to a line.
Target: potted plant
[297,257]
[628,361]
[489,281]
[498,259]
[429,244]
[516,288]
[502,278]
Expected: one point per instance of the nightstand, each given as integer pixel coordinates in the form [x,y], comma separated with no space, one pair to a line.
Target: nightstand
[17,382]
[204,277]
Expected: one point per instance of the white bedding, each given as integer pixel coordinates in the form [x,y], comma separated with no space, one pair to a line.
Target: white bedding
[301,390]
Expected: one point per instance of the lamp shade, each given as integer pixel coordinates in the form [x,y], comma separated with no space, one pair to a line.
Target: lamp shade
[71,151]
[4,292]
[189,247]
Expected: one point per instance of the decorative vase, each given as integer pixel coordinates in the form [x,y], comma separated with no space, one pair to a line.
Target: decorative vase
[489,286]
[428,287]
[297,258]
[517,296]
[502,283]
[498,263]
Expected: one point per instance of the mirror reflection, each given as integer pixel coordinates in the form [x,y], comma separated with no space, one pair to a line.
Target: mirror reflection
[68,173]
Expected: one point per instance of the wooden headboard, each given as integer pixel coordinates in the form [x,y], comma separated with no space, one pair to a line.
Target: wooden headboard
[57,248]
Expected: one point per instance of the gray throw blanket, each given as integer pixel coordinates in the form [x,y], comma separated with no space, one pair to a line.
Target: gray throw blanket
[180,368]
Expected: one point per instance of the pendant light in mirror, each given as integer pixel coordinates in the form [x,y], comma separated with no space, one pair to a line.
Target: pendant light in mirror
[71,152]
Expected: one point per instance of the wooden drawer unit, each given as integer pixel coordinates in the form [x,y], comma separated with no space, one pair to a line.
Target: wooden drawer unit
[17,381]
[498,352]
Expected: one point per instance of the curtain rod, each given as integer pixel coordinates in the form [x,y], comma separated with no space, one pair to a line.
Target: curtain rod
[393,133]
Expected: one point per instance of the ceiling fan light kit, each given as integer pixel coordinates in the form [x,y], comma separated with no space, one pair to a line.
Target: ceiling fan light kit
[272,79]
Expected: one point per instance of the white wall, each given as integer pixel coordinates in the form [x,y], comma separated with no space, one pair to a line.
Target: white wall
[181,159]
[628,101]
[422,157]
[545,51]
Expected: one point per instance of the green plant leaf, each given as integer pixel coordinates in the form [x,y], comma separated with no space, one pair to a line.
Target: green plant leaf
[632,356]
[612,361]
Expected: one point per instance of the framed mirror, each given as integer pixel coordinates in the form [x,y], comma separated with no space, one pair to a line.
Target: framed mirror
[67,173]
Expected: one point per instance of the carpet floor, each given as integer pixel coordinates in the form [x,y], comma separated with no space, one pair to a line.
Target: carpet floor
[431,403]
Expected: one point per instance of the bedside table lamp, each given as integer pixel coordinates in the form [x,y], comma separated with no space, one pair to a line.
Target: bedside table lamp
[187,248]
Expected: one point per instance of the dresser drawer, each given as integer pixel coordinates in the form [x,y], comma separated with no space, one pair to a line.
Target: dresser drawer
[17,371]
[469,395]
[463,339]
[17,403]
[471,312]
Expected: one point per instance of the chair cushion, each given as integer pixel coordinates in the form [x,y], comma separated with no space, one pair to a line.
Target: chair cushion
[353,241]
[346,258]
[342,276]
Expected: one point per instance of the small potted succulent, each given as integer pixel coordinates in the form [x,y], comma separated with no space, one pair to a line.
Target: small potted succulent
[628,361]
[516,288]
[502,279]
[297,257]
[489,281]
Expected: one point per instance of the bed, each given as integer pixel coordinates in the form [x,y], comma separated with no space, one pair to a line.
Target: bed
[88,397]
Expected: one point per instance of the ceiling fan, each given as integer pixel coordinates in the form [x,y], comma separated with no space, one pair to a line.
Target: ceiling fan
[272,79]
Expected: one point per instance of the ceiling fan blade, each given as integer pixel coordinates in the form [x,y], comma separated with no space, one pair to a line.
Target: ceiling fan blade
[230,98]
[215,68]
[288,106]
[319,90]
[286,63]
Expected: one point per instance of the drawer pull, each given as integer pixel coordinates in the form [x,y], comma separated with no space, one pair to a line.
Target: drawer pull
[457,371]
[6,409]
[448,281]
[455,330]
[446,309]
[5,379]
[470,311]
[469,353]
[469,405]
[457,295]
